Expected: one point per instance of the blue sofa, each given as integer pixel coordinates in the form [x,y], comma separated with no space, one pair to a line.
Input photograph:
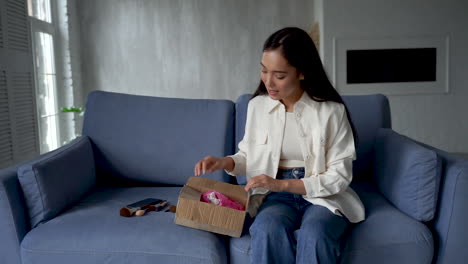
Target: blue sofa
[63,206]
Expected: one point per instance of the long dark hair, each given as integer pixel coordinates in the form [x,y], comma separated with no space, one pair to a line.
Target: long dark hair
[299,50]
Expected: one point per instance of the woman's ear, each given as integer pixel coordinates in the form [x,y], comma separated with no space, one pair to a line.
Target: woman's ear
[301,76]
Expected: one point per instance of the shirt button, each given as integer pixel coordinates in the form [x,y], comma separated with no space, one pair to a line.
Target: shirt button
[302,134]
[298,115]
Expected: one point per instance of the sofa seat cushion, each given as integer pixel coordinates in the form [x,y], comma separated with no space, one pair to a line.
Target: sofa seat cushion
[386,236]
[93,232]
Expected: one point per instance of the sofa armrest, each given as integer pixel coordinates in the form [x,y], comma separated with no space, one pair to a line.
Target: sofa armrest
[452,211]
[14,218]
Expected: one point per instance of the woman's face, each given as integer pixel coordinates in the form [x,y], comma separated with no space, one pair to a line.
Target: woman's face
[281,79]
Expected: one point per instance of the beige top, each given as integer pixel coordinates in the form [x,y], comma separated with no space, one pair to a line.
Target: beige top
[291,155]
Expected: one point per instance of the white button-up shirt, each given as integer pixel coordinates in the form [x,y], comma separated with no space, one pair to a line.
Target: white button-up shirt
[327,146]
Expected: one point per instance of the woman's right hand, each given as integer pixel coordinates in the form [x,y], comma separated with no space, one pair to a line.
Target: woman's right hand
[210,164]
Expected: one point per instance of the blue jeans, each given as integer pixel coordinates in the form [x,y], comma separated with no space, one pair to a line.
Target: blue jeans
[289,229]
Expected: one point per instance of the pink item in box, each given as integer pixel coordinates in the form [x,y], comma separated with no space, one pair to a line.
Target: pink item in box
[218,198]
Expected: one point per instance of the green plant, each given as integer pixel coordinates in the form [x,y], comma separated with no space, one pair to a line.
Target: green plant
[73,109]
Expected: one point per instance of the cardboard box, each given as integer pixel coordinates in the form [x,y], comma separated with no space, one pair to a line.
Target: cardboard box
[194,213]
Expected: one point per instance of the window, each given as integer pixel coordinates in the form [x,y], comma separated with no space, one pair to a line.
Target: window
[40,9]
[43,28]
[46,91]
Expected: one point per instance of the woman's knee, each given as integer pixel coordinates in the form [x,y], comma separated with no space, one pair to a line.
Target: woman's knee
[319,230]
[271,225]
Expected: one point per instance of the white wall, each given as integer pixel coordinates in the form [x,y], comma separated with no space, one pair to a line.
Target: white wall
[438,119]
[212,49]
[180,48]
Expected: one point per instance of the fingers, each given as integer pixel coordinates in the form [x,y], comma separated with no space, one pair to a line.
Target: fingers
[204,163]
[209,164]
[196,170]
[200,168]
[259,181]
[250,184]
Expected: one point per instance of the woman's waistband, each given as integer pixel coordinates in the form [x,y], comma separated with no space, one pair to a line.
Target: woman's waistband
[290,173]
[291,169]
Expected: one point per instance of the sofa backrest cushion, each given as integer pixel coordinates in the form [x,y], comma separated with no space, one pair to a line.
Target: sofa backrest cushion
[368,113]
[153,140]
[407,174]
[57,180]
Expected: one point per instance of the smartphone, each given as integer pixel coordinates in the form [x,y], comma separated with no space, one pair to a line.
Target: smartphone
[145,202]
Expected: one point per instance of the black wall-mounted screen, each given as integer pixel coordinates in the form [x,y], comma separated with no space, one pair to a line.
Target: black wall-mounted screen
[391,65]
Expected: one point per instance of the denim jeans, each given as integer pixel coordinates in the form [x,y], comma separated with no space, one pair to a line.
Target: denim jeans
[289,229]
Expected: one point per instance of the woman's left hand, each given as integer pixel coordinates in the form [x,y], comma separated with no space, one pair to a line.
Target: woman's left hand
[266,182]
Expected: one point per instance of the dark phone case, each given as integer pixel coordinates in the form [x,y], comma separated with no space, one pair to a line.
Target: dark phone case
[145,202]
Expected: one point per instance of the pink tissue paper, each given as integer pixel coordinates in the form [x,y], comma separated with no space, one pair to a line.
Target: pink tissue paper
[218,198]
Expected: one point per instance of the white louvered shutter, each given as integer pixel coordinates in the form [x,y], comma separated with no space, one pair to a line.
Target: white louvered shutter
[6,143]
[19,139]
[1,29]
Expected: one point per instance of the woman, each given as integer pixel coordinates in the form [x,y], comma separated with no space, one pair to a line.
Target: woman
[297,149]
